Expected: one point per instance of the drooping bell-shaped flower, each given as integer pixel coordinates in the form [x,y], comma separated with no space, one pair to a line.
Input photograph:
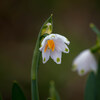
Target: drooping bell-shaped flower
[52,46]
[85,62]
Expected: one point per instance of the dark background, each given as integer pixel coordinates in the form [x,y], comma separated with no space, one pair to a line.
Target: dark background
[20,22]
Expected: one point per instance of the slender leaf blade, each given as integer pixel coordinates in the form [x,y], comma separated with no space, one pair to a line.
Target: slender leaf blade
[47,29]
[98,83]
[90,89]
[53,92]
[17,93]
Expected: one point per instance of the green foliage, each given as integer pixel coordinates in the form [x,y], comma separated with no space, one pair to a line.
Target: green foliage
[43,36]
[36,58]
[53,93]
[45,28]
[96,30]
[90,87]
[17,93]
[36,55]
[98,82]
[92,91]
[97,46]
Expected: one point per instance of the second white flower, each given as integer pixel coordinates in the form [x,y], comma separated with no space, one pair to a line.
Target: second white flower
[85,62]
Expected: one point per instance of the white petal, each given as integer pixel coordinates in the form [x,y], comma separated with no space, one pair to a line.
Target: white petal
[44,42]
[83,70]
[56,56]
[48,37]
[61,46]
[63,39]
[45,55]
[55,37]
[42,45]
[94,65]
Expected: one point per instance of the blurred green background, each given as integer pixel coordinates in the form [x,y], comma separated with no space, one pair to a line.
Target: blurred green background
[20,22]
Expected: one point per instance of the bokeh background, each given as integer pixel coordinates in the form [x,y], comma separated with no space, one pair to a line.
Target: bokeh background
[20,22]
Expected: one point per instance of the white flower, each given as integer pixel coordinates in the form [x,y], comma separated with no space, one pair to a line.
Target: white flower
[85,62]
[52,46]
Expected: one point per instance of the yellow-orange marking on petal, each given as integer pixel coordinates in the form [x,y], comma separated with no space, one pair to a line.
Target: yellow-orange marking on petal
[50,44]
[46,48]
[53,47]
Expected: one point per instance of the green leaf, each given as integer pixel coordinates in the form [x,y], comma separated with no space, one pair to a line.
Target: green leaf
[90,87]
[17,93]
[92,91]
[53,93]
[47,29]
[98,83]
[95,48]
[36,58]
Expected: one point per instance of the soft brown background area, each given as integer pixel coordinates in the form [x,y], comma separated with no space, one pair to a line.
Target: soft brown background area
[20,22]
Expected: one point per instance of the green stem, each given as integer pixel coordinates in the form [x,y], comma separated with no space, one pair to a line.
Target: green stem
[95,29]
[34,71]
[95,49]
[35,62]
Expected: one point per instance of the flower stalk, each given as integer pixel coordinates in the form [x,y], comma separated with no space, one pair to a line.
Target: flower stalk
[36,59]
[96,30]
[95,48]
[34,71]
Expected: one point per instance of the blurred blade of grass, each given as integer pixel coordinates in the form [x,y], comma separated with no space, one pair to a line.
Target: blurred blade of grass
[17,93]
[53,93]
[98,82]
[90,87]
[92,91]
